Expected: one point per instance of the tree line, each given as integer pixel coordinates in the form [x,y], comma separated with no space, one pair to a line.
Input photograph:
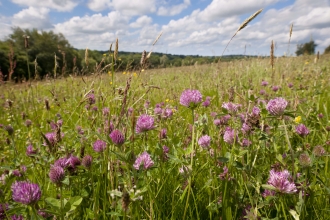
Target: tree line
[38,54]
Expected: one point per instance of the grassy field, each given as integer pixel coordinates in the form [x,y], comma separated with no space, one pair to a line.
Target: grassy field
[147,146]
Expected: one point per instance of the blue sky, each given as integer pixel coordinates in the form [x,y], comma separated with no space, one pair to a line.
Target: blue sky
[189,27]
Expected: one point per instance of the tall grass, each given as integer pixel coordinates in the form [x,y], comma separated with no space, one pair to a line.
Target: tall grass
[225,180]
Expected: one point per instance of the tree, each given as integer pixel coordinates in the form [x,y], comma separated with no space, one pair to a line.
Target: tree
[327,50]
[306,48]
[43,47]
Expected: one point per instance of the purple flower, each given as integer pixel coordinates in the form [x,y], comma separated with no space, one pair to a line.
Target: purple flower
[53,125]
[99,146]
[28,123]
[302,130]
[43,214]
[105,111]
[262,92]
[231,107]
[167,113]
[17,173]
[117,137]
[165,152]
[256,111]
[69,162]
[225,175]
[204,141]
[184,169]
[94,108]
[52,139]
[280,180]
[207,101]
[144,123]
[246,142]
[165,149]
[276,106]
[245,128]
[143,159]
[87,161]
[290,85]
[30,151]
[108,127]
[222,121]
[217,122]
[146,104]
[56,174]
[264,83]
[275,88]
[163,133]
[25,192]
[190,98]
[61,162]
[130,110]
[90,98]
[318,151]
[267,193]
[213,114]
[229,135]
[304,160]
[17,217]
[3,209]
[158,110]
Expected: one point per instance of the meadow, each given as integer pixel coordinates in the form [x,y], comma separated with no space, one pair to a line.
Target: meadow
[229,140]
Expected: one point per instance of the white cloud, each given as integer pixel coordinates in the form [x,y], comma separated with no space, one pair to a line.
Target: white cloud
[224,8]
[94,24]
[127,7]
[32,18]
[99,5]
[95,31]
[141,22]
[174,9]
[59,5]
[317,18]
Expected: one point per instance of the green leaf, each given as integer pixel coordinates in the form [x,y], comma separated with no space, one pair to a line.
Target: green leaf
[223,159]
[55,203]
[294,214]
[270,187]
[242,153]
[238,165]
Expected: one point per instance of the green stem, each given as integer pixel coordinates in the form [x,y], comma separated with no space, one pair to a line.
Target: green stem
[191,162]
[283,209]
[61,193]
[291,150]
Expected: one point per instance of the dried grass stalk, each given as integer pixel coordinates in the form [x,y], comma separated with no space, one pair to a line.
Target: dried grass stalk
[115,53]
[272,57]
[242,26]
[157,38]
[143,58]
[110,49]
[248,20]
[86,56]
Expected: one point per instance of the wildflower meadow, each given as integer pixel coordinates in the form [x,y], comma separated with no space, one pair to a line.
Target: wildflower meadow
[230,140]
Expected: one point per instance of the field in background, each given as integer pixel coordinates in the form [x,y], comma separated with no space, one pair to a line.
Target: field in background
[228,180]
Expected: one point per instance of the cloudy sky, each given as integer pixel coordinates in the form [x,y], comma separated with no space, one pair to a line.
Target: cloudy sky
[189,27]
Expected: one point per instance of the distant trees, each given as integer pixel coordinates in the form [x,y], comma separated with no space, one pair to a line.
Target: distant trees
[306,48]
[327,50]
[49,54]
[44,53]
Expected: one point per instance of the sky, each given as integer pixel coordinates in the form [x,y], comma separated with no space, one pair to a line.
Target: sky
[188,27]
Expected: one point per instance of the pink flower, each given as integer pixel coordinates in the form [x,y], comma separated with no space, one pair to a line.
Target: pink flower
[145,160]
[280,180]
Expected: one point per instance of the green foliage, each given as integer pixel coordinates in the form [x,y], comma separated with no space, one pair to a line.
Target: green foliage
[43,46]
[327,50]
[112,189]
[306,48]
